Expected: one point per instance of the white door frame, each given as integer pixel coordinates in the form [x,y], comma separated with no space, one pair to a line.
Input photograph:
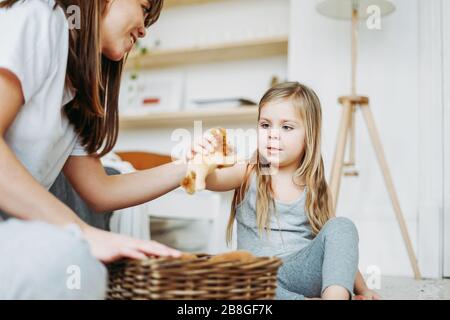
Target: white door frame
[431,139]
[446,51]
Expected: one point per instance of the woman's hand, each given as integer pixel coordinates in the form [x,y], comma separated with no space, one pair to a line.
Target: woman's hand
[108,247]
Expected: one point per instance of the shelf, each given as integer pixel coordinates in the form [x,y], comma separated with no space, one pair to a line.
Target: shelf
[186,118]
[179,3]
[218,53]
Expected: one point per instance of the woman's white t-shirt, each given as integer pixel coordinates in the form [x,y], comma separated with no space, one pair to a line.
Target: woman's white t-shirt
[34,39]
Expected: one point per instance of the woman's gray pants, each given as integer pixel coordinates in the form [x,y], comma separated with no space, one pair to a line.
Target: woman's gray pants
[42,261]
[330,259]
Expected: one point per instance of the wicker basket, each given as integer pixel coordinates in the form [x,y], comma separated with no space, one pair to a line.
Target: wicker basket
[200,278]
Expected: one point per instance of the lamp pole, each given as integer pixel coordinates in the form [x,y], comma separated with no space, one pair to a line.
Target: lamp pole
[354,45]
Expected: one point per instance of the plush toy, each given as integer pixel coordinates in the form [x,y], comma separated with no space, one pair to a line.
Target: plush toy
[241,256]
[188,256]
[203,165]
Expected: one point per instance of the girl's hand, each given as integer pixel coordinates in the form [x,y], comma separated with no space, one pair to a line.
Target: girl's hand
[109,247]
[368,295]
[208,145]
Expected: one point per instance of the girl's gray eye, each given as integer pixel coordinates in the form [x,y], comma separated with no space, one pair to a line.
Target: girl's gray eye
[146,11]
[264,125]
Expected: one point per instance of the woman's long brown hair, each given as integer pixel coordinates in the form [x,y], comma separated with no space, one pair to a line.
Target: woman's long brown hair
[96,79]
[318,206]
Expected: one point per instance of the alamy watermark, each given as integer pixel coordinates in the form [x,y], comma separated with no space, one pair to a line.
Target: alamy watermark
[239,139]
[373,21]
[74,17]
[373,279]
[73,281]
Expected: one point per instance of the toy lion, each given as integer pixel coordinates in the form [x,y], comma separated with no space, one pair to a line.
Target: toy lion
[203,165]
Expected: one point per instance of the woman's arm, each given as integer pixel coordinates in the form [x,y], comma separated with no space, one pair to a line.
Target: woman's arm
[25,198]
[107,193]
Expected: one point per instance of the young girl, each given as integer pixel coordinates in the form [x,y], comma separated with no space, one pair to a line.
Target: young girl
[282,203]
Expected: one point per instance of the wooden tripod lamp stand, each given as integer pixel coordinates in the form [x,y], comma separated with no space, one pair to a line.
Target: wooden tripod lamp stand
[354,10]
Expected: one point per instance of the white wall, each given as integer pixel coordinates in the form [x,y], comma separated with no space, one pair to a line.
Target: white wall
[388,73]
[431,137]
[212,24]
[446,41]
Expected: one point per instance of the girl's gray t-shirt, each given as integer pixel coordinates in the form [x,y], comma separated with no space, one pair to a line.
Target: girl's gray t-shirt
[290,230]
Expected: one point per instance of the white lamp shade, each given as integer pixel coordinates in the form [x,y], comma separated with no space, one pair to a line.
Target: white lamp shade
[342,9]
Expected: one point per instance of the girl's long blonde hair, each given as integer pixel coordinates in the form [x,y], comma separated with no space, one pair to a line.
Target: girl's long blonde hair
[319,205]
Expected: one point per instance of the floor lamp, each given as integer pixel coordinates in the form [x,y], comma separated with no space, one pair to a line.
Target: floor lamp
[354,10]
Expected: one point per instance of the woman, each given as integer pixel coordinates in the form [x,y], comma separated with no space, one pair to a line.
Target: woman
[59,90]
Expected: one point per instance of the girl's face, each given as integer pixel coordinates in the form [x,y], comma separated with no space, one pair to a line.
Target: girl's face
[281,134]
[122,24]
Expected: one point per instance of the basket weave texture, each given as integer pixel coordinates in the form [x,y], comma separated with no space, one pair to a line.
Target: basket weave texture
[199,277]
